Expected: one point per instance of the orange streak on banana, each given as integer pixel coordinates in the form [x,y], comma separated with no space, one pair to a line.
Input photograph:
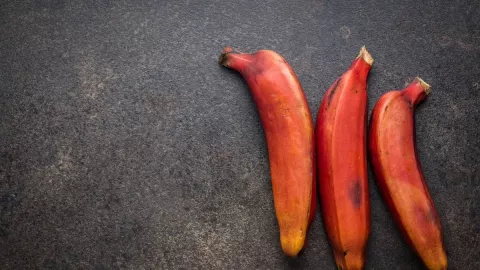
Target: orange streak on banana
[288,127]
[342,164]
[398,173]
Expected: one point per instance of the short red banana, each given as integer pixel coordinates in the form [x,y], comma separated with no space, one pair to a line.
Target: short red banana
[288,127]
[342,164]
[398,173]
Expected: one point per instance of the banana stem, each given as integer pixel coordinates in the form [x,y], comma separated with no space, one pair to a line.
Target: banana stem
[363,63]
[234,60]
[416,92]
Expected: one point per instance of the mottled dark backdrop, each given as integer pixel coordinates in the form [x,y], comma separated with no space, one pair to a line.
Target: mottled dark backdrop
[123,144]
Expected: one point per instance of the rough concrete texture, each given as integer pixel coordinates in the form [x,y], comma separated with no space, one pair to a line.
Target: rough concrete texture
[125,145]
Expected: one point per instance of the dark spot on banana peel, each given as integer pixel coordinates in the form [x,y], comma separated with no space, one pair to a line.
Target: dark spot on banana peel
[426,215]
[410,104]
[332,93]
[355,193]
[257,71]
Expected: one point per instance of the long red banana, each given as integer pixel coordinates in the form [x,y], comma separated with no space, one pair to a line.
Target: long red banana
[399,175]
[288,127]
[342,164]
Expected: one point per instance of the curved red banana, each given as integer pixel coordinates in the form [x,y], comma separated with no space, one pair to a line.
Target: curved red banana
[342,164]
[288,127]
[398,173]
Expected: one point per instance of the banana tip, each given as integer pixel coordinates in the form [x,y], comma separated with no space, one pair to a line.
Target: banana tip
[222,59]
[365,55]
[426,87]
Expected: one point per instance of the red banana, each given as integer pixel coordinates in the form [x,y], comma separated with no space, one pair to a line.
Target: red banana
[398,173]
[288,127]
[342,164]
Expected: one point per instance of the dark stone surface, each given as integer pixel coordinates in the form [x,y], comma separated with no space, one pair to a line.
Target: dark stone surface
[125,145]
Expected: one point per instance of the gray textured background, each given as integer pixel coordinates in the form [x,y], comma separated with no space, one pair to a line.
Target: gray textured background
[125,145]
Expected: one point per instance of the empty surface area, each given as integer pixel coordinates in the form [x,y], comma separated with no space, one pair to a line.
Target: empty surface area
[124,145]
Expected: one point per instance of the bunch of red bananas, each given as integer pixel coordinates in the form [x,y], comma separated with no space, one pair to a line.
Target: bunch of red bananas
[337,149]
